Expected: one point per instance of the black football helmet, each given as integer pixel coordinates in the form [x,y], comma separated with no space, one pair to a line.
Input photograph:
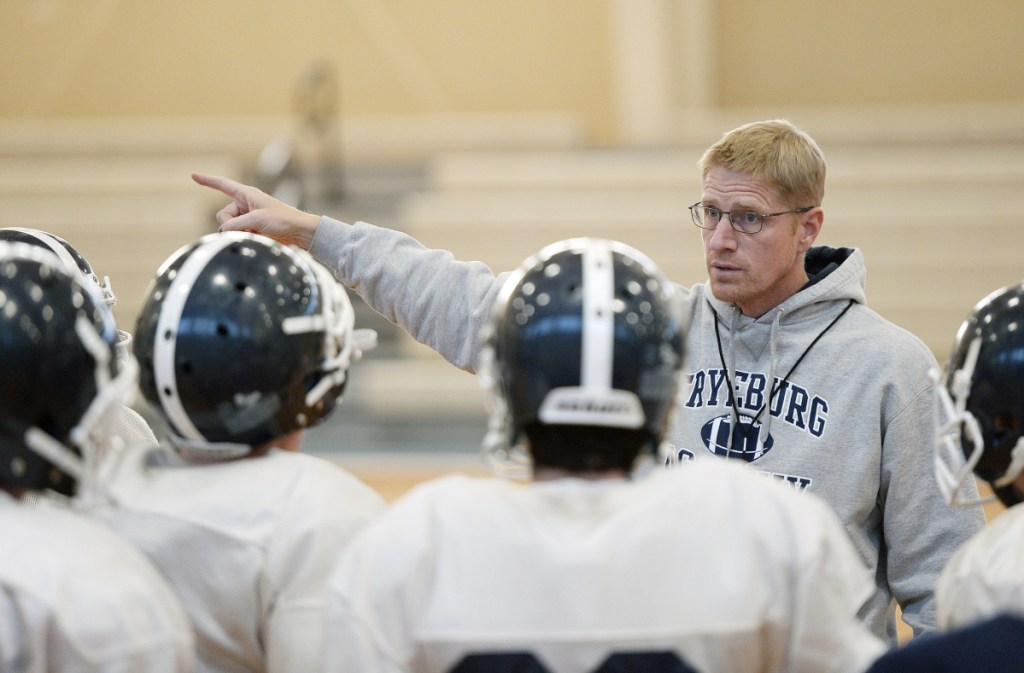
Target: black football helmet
[59,372]
[74,262]
[72,259]
[241,340]
[982,400]
[586,334]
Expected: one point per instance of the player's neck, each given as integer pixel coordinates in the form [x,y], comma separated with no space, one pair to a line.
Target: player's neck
[290,442]
[552,473]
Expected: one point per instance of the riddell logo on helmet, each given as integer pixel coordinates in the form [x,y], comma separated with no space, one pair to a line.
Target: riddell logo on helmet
[598,406]
[614,408]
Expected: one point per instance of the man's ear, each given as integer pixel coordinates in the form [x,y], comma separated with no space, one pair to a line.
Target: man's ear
[810,226]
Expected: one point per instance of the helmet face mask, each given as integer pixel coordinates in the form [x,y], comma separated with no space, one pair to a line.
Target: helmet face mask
[981,408]
[587,333]
[60,373]
[242,340]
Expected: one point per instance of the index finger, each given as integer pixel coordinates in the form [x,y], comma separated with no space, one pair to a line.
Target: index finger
[225,185]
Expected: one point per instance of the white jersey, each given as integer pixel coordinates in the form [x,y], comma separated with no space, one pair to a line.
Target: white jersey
[984,577]
[708,566]
[247,544]
[131,427]
[76,598]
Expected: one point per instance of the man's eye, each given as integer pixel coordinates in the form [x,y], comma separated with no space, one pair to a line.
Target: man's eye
[750,217]
[712,213]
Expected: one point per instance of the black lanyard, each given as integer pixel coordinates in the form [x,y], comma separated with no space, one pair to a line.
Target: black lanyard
[775,387]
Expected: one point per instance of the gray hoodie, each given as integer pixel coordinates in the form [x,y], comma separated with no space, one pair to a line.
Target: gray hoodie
[851,416]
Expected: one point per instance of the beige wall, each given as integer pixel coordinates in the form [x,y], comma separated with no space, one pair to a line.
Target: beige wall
[243,58]
[873,52]
[99,58]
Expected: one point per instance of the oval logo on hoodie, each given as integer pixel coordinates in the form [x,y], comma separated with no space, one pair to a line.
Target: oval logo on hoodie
[747,442]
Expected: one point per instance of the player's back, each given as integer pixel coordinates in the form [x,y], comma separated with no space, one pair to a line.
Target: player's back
[705,566]
[983,578]
[76,598]
[246,544]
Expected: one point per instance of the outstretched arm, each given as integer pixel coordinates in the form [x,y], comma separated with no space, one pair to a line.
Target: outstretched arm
[255,211]
[439,300]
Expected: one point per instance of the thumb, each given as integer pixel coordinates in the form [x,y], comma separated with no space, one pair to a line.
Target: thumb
[249,221]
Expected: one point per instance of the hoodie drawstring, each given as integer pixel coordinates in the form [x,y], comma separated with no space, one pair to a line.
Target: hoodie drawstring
[728,380]
[771,372]
[774,387]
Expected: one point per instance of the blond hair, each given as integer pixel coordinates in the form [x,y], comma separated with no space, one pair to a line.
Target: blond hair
[775,152]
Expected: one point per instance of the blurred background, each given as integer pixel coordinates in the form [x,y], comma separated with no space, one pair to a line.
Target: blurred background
[492,128]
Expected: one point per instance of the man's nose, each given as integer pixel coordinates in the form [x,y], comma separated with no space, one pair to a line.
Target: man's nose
[722,237]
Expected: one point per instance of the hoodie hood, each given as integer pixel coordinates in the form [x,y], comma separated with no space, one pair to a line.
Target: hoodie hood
[835,274]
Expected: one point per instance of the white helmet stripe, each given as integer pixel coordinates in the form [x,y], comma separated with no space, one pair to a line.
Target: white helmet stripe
[166,338]
[53,244]
[598,316]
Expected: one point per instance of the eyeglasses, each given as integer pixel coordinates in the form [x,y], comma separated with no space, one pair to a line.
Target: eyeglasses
[747,222]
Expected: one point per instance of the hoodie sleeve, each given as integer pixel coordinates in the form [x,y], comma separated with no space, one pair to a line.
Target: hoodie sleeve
[921,531]
[440,301]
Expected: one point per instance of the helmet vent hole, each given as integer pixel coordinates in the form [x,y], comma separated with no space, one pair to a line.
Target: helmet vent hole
[167,392]
[168,335]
